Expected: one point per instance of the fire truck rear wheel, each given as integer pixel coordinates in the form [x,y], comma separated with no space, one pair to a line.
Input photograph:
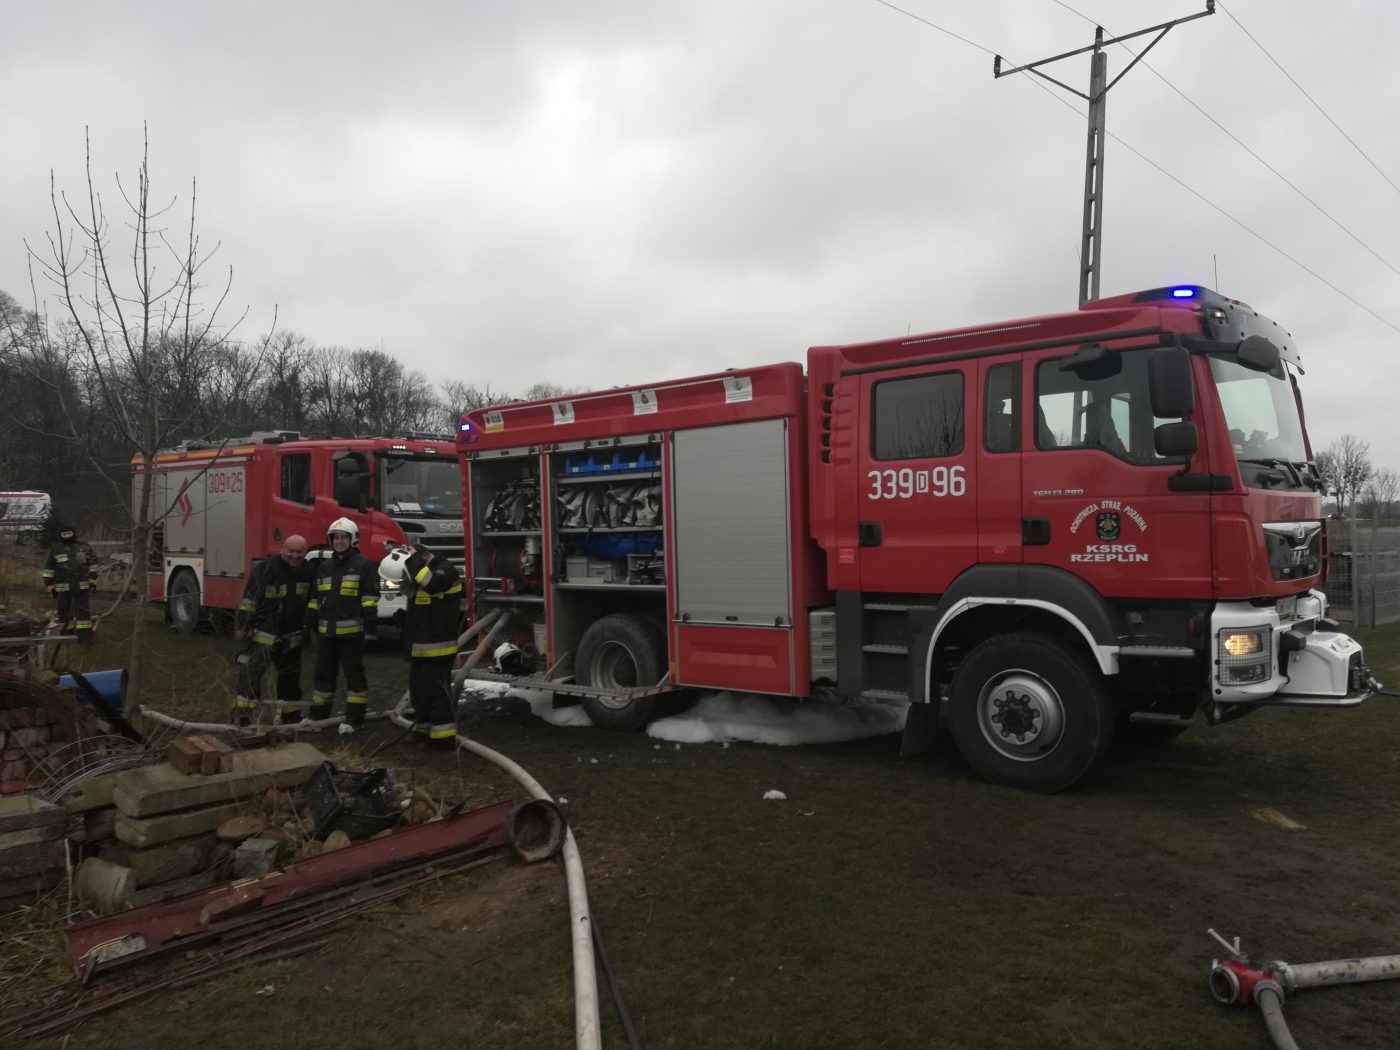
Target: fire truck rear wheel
[1028,712]
[621,651]
[184,601]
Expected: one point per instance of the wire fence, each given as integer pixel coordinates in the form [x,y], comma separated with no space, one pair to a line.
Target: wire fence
[1363,577]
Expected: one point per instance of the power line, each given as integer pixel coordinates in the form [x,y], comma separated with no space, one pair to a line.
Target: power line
[1195,193]
[1314,101]
[932,25]
[1236,140]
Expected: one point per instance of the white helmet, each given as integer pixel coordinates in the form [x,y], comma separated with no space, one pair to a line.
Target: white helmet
[508,658]
[346,526]
[394,567]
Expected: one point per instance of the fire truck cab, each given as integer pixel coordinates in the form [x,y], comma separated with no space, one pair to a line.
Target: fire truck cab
[220,507]
[1039,533]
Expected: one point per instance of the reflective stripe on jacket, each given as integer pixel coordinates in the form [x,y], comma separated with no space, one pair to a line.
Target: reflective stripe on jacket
[434,617]
[345,594]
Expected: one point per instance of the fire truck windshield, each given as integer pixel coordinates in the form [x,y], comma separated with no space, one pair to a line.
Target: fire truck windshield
[414,487]
[1261,411]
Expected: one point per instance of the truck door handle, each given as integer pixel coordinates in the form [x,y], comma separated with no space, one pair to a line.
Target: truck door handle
[870,534]
[1035,532]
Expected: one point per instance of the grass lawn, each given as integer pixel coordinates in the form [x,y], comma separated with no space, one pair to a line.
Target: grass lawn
[885,903]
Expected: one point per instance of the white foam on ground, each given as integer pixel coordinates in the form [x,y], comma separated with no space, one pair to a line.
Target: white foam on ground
[730,717]
[725,718]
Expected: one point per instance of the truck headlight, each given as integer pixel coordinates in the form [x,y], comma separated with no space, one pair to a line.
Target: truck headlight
[1244,656]
[1242,643]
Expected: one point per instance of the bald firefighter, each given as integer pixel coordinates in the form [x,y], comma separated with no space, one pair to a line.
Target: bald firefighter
[269,626]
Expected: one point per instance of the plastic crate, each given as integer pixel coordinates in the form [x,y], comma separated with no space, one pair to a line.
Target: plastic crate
[359,804]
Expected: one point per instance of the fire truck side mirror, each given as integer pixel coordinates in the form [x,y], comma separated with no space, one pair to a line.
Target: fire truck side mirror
[1169,380]
[1176,439]
[1257,353]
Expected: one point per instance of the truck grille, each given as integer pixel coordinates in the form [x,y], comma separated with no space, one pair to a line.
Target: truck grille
[1295,548]
[442,544]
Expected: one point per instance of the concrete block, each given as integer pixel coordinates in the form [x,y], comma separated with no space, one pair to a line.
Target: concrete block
[29,836]
[91,793]
[99,824]
[157,864]
[27,811]
[19,861]
[168,891]
[167,827]
[161,789]
[255,858]
[103,886]
[33,885]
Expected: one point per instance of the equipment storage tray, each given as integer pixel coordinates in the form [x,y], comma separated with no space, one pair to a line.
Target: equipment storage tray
[359,804]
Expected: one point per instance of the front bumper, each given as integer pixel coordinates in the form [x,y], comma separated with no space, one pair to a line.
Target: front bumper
[1309,664]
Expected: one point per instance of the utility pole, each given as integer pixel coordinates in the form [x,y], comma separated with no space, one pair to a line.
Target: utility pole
[1092,244]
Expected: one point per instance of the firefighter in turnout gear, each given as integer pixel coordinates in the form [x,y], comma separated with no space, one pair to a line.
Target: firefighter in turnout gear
[434,593]
[269,625]
[343,609]
[70,574]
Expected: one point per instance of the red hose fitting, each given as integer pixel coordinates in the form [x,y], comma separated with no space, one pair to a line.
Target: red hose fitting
[1232,981]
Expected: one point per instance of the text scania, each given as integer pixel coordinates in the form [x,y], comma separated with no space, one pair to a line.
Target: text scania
[1118,552]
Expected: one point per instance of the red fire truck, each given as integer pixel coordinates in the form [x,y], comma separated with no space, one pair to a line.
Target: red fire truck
[1045,531]
[222,506]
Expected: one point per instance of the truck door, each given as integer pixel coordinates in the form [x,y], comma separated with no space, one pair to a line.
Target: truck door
[916,466]
[1094,493]
[289,510]
[999,461]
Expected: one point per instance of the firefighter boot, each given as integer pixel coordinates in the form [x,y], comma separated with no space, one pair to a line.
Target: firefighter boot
[320,706]
[355,708]
[243,711]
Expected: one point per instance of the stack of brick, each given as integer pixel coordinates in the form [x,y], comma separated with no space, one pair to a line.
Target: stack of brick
[165,819]
[32,851]
[25,736]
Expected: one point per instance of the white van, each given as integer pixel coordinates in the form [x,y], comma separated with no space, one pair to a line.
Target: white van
[22,514]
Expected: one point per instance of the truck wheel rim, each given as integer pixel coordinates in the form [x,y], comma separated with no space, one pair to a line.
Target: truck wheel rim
[613,667]
[1020,715]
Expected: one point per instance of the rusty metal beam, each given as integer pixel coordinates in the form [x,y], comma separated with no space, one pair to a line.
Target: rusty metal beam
[96,944]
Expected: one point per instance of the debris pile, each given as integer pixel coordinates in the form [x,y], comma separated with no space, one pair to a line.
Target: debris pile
[166,830]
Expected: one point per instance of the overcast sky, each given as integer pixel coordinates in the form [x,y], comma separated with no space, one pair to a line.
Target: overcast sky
[600,193]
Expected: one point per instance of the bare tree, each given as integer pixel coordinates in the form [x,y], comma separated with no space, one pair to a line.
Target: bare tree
[141,331]
[1379,494]
[1345,467]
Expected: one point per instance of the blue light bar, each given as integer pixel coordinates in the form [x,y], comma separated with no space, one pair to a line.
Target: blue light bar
[466,427]
[1183,293]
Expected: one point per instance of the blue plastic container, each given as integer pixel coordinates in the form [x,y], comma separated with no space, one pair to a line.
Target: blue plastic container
[111,685]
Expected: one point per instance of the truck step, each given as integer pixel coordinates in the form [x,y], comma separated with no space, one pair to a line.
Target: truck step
[883,694]
[887,650]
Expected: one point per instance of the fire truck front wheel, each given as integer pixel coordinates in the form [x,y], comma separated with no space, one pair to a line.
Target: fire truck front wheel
[184,603]
[618,653]
[1029,712]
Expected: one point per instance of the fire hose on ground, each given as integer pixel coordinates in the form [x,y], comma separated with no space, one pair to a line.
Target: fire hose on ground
[1233,980]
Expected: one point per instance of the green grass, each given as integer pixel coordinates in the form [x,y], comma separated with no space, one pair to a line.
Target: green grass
[886,903]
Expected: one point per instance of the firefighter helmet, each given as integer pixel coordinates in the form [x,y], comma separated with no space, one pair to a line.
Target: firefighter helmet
[346,526]
[509,659]
[394,567]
